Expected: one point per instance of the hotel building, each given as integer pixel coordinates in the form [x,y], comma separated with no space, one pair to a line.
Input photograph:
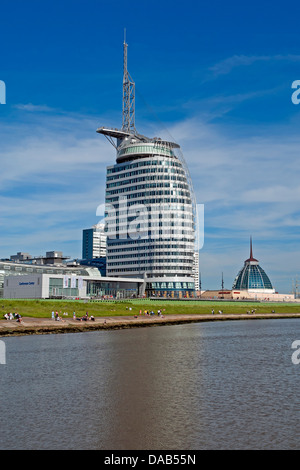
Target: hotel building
[150,210]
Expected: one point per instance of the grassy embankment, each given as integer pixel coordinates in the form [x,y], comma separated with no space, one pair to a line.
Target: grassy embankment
[43,308]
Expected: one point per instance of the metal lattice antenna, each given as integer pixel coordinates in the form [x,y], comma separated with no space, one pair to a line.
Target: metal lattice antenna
[128,96]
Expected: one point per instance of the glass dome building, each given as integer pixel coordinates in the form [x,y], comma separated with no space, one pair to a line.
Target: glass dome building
[252,277]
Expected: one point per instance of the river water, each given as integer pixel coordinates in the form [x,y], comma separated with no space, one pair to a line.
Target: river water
[218,385]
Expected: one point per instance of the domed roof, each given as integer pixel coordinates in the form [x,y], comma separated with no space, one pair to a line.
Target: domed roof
[252,276]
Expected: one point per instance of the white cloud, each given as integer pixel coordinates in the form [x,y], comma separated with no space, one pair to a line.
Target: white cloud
[225,66]
[33,107]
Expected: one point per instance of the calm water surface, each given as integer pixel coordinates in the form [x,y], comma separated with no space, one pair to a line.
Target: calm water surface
[219,385]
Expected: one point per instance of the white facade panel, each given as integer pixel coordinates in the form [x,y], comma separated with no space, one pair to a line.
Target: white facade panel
[23,287]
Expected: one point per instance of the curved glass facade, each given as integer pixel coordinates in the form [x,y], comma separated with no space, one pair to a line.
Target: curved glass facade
[149,216]
[252,277]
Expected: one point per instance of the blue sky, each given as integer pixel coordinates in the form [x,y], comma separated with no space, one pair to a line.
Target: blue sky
[214,76]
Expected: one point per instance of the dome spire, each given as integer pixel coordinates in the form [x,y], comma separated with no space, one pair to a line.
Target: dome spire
[251,253]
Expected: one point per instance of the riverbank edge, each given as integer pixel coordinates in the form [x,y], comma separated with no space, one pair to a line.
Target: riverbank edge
[40,326]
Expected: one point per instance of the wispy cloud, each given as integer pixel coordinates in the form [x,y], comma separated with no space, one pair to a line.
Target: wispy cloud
[33,107]
[225,66]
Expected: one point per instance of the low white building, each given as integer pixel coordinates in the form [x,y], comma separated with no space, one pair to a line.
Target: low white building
[45,286]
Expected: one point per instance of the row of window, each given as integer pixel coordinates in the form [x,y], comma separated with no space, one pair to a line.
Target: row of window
[123,243]
[157,161]
[163,177]
[155,255]
[177,171]
[161,261]
[167,216]
[145,149]
[170,285]
[166,192]
[154,212]
[155,231]
[143,223]
[21,269]
[161,192]
[144,186]
[123,237]
[163,234]
[150,247]
[174,270]
[149,201]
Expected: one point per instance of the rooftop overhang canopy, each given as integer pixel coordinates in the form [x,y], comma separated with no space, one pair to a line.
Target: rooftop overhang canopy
[118,134]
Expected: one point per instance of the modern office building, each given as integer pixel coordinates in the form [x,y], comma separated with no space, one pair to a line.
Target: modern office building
[70,285]
[94,242]
[150,208]
[252,277]
[50,276]
[13,269]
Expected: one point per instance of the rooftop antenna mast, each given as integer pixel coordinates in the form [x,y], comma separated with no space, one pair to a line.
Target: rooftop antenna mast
[128,124]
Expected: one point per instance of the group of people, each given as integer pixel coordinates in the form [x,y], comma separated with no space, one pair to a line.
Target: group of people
[57,317]
[13,316]
[146,312]
[213,312]
[221,311]
[86,317]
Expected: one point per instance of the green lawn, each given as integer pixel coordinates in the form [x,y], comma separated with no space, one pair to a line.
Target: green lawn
[43,308]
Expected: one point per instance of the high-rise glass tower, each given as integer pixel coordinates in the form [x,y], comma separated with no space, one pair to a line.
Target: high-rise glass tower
[150,208]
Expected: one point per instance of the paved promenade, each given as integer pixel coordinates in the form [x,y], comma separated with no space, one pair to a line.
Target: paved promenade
[31,325]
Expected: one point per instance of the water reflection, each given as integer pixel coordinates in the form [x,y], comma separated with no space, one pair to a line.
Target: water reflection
[156,388]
